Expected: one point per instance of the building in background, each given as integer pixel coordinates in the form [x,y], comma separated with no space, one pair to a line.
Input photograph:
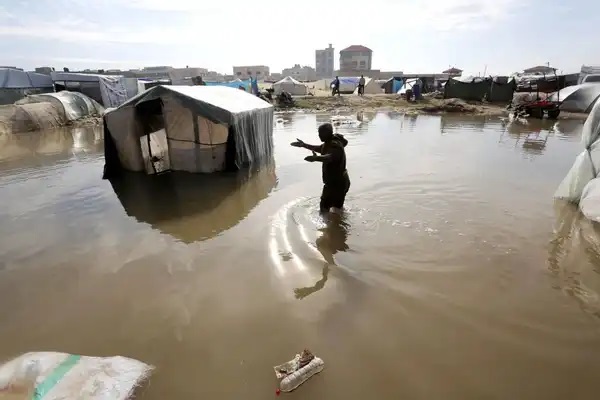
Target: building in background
[303,74]
[356,60]
[453,71]
[324,62]
[254,71]
[540,69]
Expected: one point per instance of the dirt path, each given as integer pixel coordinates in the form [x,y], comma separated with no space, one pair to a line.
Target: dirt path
[392,102]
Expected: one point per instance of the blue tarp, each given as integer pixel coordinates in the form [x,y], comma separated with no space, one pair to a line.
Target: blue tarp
[247,84]
[397,85]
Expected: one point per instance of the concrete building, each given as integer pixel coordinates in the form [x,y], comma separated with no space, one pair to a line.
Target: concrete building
[540,69]
[357,59]
[183,76]
[254,71]
[303,74]
[324,62]
[453,71]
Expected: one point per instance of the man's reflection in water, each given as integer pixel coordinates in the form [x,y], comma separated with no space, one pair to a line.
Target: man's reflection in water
[333,239]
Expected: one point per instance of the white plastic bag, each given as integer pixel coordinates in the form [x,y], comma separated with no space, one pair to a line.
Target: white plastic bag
[590,200]
[578,176]
[54,376]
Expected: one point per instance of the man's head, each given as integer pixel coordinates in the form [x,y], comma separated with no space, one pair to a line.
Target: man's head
[362,76]
[336,77]
[326,132]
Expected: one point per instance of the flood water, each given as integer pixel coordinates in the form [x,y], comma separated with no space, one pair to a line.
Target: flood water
[452,274]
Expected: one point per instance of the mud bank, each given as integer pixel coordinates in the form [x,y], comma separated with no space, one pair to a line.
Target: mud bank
[374,103]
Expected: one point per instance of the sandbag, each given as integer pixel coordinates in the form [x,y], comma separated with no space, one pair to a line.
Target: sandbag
[54,376]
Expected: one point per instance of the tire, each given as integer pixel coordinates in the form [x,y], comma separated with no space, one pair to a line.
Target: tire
[553,114]
[536,112]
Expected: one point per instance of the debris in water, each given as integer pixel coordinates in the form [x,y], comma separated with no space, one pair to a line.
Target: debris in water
[298,370]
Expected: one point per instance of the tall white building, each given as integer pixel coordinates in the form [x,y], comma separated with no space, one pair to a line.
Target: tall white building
[324,62]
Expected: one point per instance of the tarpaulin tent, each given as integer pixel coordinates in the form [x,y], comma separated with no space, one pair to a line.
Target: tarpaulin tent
[72,105]
[497,89]
[408,84]
[393,85]
[291,86]
[578,98]
[582,183]
[348,84]
[108,90]
[16,84]
[371,87]
[188,128]
[247,84]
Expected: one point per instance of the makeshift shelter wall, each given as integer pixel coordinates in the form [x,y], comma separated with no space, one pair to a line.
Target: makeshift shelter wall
[10,96]
[125,131]
[195,143]
[393,85]
[479,89]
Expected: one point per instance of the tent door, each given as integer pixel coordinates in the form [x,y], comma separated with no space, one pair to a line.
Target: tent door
[153,142]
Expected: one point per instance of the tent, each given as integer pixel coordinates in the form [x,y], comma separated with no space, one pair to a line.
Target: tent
[496,89]
[108,90]
[71,105]
[582,183]
[236,83]
[193,207]
[408,84]
[578,98]
[371,87]
[291,86]
[188,128]
[393,85]
[16,84]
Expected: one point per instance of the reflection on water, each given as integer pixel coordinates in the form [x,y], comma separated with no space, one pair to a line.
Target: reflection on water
[451,263]
[193,207]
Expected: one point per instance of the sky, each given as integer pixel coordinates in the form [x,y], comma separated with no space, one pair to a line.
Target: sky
[414,36]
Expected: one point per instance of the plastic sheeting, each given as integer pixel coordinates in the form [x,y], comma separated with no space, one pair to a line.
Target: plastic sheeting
[580,185]
[53,376]
[197,120]
[73,105]
[113,90]
[291,86]
[578,98]
[247,84]
[477,89]
[371,87]
[11,78]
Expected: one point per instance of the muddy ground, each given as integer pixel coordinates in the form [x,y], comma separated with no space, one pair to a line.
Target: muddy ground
[392,102]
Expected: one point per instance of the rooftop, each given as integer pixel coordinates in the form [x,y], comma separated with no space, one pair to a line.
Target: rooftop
[357,47]
[452,70]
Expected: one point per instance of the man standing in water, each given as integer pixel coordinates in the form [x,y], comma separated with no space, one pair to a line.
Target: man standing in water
[336,181]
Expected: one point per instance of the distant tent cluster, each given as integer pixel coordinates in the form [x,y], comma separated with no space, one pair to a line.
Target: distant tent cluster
[492,89]
[16,84]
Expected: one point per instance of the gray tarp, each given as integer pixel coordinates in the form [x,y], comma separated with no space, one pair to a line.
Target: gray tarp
[73,105]
[498,89]
[578,98]
[11,78]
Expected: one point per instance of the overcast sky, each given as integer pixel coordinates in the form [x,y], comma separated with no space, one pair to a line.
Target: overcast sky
[408,35]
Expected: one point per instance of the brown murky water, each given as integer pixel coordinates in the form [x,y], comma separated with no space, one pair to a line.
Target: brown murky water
[444,280]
